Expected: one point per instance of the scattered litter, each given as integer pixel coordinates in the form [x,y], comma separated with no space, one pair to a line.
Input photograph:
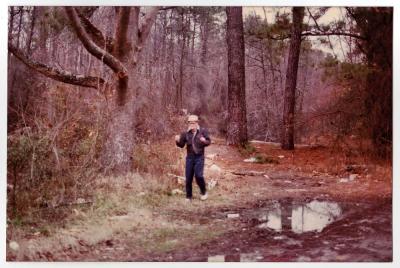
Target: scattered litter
[304,259]
[352,177]
[179,179]
[295,190]
[279,237]
[176,191]
[232,216]
[250,257]
[80,201]
[215,168]
[344,180]
[267,177]
[281,156]
[14,245]
[211,184]
[141,194]
[211,156]
[250,160]
[216,258]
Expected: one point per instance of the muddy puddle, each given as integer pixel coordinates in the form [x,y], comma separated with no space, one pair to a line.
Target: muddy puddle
[298,218]
[300,231]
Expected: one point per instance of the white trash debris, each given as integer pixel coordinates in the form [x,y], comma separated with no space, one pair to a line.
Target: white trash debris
[215,168]
[352,177]
[211,156]
[216,258]
[80,201]
[281,156]
[232,216]
[211,184]
[250,160]
[176,191]
[14,245]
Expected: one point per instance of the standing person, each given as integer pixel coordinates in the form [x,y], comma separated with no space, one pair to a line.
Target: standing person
[196,139]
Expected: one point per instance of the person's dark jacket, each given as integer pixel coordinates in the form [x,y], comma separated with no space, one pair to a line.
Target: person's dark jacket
[192,140]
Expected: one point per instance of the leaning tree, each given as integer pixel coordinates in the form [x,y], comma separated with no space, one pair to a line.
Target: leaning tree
[120,54]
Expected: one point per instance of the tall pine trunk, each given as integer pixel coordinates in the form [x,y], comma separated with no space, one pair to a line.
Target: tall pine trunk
[237,122]
[287,138]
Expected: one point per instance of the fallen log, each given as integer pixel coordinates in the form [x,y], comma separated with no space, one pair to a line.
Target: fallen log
[248,173]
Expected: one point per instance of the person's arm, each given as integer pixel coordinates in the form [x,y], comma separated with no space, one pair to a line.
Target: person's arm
[207,138]
[182,140]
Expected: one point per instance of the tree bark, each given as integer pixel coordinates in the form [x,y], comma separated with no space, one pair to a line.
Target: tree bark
[204,38]
[21,14]
[29,40]
[118,149]
[287,138]
[11,24]
[237,122]
[179,88]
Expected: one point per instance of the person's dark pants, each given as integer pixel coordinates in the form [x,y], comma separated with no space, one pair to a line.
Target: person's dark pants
[194,166]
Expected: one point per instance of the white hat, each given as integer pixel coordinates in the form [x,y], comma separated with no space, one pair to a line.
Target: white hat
[193,118]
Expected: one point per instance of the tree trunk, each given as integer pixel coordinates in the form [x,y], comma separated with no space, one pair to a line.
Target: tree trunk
[237,122]
[118,147]
[29,40]
[179,89]
[21,14]
[287,138]
[204,39]
[11,23]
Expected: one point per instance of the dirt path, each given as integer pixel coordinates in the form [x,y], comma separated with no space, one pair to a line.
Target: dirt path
[298,207]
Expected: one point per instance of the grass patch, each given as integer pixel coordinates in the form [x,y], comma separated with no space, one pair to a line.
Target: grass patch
[261,159]
[247,149]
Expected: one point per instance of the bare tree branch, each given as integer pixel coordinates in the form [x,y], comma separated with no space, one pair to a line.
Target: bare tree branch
[314,19]
[57,74]
[313,33]
[92,48]
[96,35]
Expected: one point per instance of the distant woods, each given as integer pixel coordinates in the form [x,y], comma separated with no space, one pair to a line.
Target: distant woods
[107,78]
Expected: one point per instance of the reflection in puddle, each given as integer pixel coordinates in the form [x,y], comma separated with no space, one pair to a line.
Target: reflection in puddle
[295,217]
[273,219]
[313,216]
